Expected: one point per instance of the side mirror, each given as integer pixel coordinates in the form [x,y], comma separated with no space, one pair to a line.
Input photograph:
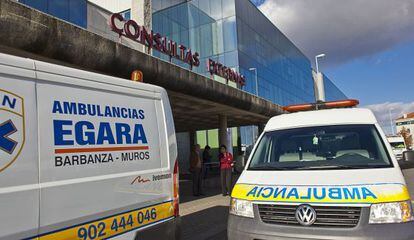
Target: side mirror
[407,160]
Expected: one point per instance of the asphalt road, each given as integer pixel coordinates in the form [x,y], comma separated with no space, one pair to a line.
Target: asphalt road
[206,217]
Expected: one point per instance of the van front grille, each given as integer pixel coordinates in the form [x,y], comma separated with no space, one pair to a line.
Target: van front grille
[326,216]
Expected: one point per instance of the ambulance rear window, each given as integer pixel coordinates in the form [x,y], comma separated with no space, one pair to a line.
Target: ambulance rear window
[323,147]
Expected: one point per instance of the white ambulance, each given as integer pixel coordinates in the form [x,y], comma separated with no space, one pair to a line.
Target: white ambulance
[325,174]
[398,146]
[84,155]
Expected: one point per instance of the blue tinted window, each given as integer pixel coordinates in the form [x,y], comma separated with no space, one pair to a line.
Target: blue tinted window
[78,12]
[74,11]
[230,34]
[38,4]
[126,14]
[59,8]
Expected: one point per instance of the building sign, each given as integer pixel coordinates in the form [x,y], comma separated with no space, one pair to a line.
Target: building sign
[227,73]
[131,30]
[140,34]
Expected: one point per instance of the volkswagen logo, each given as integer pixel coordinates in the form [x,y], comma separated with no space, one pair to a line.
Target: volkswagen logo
[305,215]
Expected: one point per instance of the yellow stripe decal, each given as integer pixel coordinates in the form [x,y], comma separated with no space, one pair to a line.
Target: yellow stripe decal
[114,225]
[357,194]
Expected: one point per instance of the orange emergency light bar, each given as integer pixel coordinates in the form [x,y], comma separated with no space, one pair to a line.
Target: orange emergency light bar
[348,103]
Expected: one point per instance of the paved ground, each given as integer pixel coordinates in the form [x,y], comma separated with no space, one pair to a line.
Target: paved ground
[206,217]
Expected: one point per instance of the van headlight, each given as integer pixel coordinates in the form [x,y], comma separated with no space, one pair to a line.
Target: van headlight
[393,212]
[242,208]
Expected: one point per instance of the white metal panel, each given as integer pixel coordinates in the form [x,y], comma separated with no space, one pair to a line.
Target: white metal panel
[57,70]
[74,190]
[321,118]
[19,62]
[172,140]
[19,189]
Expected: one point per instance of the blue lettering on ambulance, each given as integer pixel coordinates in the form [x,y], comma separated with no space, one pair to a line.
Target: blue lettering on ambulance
[309,194]
[69,108]
[319,197]
[260,191]
[122,131]
[84,137]
[335,193]
[293,193]
[8,102]
[141,114]
[317,193]
[82,109]
[252,192]
[60,132]
[355,194]
[281,192]
[269,191]
[86,133]
[73,108]
[105,134]
[367,193]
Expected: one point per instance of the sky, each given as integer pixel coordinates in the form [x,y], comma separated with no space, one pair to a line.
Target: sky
[369,47]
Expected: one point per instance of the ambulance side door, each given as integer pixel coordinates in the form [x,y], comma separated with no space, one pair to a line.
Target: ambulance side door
[98,173]
[19,168]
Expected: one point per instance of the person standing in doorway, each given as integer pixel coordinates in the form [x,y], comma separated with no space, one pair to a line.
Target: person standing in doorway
[226,164]
[196,164]
[206,160]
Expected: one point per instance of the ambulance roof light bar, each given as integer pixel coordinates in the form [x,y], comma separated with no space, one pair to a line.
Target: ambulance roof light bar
[347,103]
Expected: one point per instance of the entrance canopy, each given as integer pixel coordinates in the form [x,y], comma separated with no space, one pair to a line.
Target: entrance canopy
[191,113]
[196,100]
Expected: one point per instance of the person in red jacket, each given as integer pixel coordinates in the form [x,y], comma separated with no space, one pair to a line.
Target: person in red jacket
[226,164]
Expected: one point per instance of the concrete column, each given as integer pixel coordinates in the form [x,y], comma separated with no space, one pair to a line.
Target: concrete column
[319,86]
[223,129]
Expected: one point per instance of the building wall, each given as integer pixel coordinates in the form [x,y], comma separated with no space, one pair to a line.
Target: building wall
[98,23]
[113,5]
[407,124]
[73,11]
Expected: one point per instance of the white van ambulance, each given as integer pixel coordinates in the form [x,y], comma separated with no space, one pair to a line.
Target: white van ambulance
[398,146]
[84,155]
[325,174]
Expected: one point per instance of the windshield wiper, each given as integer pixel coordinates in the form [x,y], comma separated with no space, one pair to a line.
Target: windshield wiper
[270,168]
[333,167]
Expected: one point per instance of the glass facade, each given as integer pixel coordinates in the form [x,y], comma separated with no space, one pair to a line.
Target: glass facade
[236,34]
[206,27]
[284,74]
[126,14]
[332,92]
[73,11]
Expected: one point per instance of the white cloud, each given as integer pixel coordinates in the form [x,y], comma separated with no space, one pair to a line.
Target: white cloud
[343,29]
[383,111]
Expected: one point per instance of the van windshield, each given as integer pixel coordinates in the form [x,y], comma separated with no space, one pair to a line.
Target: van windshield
[324,147]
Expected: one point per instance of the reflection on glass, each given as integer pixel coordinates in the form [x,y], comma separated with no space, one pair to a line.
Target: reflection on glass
[238,35]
